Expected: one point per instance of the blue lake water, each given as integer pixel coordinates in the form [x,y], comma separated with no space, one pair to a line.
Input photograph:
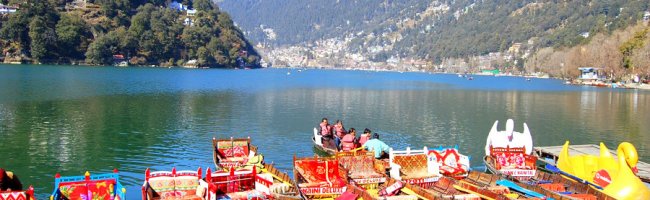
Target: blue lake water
[70,119]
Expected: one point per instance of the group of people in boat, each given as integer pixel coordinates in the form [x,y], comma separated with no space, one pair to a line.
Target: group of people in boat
[337,137]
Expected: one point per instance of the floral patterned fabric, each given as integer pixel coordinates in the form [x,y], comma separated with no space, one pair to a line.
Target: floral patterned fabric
[320,172]
[186,185]
[233,149]
[360,166]
[175,188]
[101,190]
[74,190]
[92,190]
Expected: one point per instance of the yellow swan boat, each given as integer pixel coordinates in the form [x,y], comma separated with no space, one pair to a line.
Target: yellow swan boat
[616,177]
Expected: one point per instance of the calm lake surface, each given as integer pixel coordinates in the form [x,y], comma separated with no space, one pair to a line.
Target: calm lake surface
[72,119]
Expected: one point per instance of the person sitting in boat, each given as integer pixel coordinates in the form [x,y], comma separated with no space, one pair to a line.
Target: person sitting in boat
[326,131]
[340,132]
[365,136]
[380,148]
[9,181]
[348,141]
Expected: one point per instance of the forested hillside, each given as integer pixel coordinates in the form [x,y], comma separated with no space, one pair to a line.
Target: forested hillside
[141,32]
[434,30]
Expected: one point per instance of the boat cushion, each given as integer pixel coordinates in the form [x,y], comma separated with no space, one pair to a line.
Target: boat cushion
[18,195]
[163,186]
[186,185]
[102,189]
[360,166]
[412,166]
[320,172]
[233,150]
[74,190]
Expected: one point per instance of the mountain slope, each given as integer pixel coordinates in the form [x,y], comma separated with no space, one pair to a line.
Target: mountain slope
[433,30]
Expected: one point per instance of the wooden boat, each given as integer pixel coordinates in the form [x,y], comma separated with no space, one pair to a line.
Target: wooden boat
[363,169]
[508,152]
[174,185]
[319,177]
[492,186]
[12,189]
[391,189]
[99,186]
[229,156]
[233,152]
[321,149]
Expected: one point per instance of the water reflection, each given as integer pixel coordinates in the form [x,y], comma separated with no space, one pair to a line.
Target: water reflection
[104,118]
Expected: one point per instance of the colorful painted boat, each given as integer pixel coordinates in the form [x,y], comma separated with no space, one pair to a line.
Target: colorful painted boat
[248,184]
[508,153]
[174,185]
[233,152]
[614,175]
[12,189]
[99,186]
[363,169]
[319,148]
[229,155]
[320,177]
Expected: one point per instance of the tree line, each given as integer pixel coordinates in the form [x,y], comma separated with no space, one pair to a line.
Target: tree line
[145,31]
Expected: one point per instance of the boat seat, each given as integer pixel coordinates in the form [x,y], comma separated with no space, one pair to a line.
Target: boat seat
[413,166]
[178,187]
[102,189]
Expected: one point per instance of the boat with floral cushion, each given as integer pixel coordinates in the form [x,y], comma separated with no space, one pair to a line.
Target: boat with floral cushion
[97,187]
[416,167]
[174,184]
[363,169]
[319,177]
[321,149]
[229,156]
[233,152]
[12,189]
[508,152]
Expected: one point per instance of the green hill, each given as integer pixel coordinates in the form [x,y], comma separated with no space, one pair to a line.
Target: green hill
[145,32]
[435,30]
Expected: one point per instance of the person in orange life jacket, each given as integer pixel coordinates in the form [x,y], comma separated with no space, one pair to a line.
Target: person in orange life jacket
[348,141]
[365,136]
[325,129]
[340,132]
